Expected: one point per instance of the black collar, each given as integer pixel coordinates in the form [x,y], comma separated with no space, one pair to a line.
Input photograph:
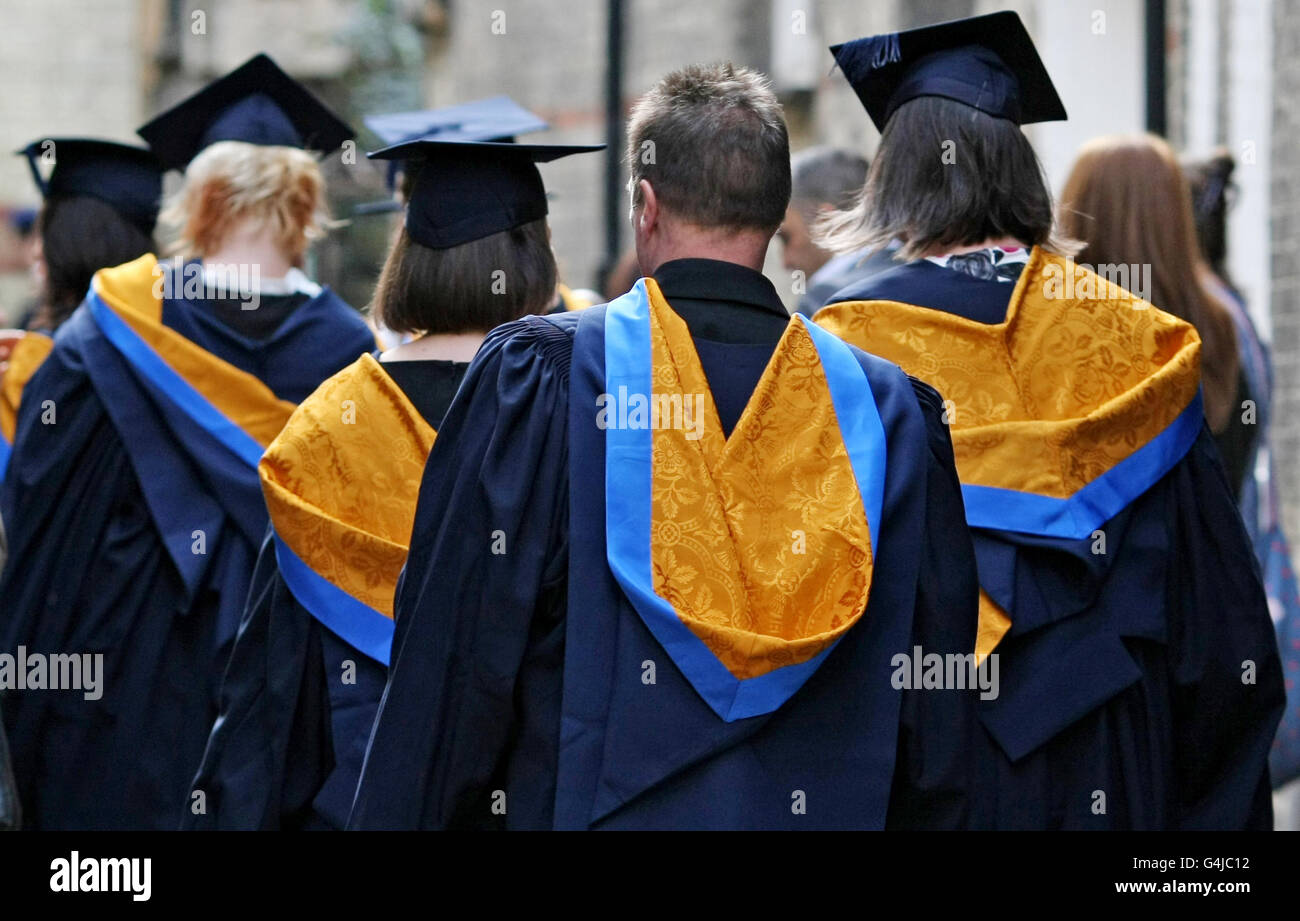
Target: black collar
[723,301]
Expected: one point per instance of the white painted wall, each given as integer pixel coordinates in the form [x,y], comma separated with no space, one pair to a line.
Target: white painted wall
[1094,53]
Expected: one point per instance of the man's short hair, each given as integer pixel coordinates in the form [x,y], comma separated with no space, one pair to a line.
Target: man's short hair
[711,139]
[827,176]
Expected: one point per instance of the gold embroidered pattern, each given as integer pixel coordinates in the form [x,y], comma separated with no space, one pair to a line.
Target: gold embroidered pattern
[759,541]
[1057,394]
[341,481]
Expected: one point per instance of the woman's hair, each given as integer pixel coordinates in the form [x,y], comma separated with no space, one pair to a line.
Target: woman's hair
[231,181]
[1126,198]
[79,236]
[471,287]
[946,175]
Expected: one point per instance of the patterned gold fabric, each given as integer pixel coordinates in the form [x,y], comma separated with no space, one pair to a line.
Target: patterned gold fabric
[131,291]
[993,626]
[26,357]
[759,541]
[1054,396]
[341,481]
[1079,375]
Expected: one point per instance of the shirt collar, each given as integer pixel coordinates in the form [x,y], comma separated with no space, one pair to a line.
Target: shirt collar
[716,280]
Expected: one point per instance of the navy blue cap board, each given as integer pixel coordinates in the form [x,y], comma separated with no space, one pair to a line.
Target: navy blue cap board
[467,190]
[257,103]
[127,178]
[498,118]
[986,62]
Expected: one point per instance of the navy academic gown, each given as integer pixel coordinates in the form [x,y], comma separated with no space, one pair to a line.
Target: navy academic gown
[100,509]
[504,666]
[1121,701]
[288,743]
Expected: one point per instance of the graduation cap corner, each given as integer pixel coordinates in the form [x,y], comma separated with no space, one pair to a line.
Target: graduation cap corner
[987,62]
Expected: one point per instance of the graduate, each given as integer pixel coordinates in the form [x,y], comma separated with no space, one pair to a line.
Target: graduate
[341,482]
[619,615]
[1140,685]
[100,206]
[132,500]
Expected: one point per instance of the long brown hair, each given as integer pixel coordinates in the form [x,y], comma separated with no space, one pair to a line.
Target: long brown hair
[1127,199]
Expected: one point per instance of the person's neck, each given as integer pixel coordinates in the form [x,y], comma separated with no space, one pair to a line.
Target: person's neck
[251,244]
[746,248]
[460,347]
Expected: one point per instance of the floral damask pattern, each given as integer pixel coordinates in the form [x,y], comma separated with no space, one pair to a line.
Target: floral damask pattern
[1057,394]
[342,479]
[759,541]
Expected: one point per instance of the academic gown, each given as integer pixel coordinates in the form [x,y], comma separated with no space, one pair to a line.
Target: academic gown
[298,699]
[1139,680]
[519,694]
[134,519]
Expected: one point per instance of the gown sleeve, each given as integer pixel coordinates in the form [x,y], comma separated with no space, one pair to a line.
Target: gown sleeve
[933,776]
[481,603]
[1227,689]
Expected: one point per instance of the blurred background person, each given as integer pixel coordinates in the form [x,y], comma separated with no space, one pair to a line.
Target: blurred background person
[825,179]
[1212,194]
[100,207]
[1116,188]
[308,668]
[134,521]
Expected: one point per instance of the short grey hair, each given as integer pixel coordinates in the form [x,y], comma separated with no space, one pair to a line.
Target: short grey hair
[712,141]
[827,176]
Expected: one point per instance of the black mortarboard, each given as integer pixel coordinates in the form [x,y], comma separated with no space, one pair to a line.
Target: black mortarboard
[499,118]
[257,103]
[128,178]
[467,190]
[986,62]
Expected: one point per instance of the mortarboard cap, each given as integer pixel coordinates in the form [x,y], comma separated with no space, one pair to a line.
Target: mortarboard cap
[127,178]
[497,119]
[467,190]
[986,62]
[257,103]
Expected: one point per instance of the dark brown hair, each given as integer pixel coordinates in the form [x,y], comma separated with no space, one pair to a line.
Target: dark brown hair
[1212,191]
[79,236]
[946,175]
[472,287]
[712,141]
[1127,199]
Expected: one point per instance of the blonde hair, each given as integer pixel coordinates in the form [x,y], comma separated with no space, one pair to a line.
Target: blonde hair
[231,181]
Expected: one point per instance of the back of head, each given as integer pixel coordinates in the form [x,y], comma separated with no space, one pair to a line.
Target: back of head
[470,287]
[1210,184]
[947,175]
[1127,200]
[79,236]
[826,176]
[712,142]
[231,183]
